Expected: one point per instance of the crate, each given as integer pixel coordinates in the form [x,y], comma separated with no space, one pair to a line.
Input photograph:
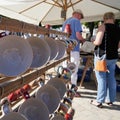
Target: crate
[118,88]
[87,76]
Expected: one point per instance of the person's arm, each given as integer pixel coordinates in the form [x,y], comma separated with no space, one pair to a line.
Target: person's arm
[79,37]
[99,36]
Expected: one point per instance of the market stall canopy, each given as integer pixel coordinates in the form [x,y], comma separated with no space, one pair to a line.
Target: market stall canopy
[54,12]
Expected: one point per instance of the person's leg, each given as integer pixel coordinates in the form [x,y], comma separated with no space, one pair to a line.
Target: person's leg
[101,88]
[111,81]
[75,58]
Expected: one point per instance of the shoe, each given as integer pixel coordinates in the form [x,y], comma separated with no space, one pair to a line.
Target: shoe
[109,103]
[97,104]
[74,87]
[77,94]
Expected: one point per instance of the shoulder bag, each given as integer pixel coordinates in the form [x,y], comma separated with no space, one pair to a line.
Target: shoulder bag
[101,64]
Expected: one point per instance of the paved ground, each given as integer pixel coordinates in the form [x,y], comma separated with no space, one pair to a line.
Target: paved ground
[85,111]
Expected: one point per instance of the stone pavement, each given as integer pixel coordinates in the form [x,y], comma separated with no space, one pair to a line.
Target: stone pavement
[85,111]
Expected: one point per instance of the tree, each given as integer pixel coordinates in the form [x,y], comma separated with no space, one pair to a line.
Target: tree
[92,25]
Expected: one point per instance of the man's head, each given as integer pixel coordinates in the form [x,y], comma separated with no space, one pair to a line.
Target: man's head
[78,12]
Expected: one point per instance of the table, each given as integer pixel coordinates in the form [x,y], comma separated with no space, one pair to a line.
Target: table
[89,63]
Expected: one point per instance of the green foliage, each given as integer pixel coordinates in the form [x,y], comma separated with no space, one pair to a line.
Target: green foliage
[117,22]
[92,25]
[56,26]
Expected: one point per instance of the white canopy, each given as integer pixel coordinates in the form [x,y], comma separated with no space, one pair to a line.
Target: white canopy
[49,11]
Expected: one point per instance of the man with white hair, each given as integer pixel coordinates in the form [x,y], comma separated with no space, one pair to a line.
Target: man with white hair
[76,30]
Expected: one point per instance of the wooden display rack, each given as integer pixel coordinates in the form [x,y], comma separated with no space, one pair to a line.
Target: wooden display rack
[10,84]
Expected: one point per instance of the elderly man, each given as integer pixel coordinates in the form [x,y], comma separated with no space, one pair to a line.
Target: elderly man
[76,30]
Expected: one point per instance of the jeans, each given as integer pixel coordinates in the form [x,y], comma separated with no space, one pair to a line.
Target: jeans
[75,58]
[106,89]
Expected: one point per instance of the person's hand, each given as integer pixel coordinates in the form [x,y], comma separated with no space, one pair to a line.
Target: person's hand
[92,38]
[83,40]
